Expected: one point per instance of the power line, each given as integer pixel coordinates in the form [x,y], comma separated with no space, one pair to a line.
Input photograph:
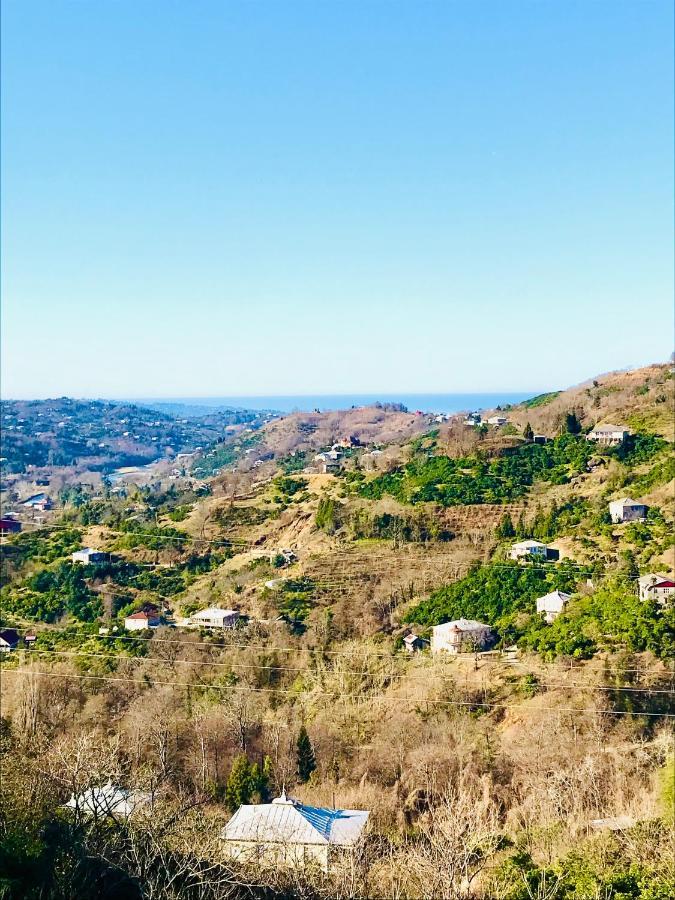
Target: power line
[413,676]
[402,700]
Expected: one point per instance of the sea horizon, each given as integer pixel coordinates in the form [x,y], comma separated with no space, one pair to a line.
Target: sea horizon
[430,402]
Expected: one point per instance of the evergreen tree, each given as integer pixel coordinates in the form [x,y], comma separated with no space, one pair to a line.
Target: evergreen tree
[572,423]
[242,783]
[306,757]
[505,527]
[528,434]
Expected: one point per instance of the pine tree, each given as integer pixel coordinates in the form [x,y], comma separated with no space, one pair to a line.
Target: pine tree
[528,434]
[572,423]
[242,782]
[306,757]
[505,527]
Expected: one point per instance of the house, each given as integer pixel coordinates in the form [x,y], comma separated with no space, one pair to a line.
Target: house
[283,557]
[87,556]
[552,604]
[289,833]
[9,640]
[497,421]
[460,636]
[656,587]
[214,617]
[627,510]
[529,547]
[109,800]
[8,525]
[412,643]
[141,620]
[608,435]
[38,501]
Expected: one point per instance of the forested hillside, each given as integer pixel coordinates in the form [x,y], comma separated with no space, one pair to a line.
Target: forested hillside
[538,765]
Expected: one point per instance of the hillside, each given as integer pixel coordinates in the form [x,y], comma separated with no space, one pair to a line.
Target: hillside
[488,770]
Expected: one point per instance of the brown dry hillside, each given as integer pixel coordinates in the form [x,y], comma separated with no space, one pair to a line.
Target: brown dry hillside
[370,424]
[642,398]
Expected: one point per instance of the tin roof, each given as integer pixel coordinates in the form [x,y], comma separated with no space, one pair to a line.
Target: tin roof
[288,821]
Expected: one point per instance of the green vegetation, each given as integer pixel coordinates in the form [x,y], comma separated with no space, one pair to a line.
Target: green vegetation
[476,479]
[496,595]
[540,400]
[247,783]
[305,755]
[50,593]
[611,618]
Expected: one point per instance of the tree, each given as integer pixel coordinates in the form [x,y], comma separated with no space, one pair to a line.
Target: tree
[306,757]
[528,434]
[505,527]
[572,423]
[241,783]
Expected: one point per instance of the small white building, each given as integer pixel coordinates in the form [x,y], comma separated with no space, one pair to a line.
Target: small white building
[412,643]
[627,510]
[656,587]
[460,636]
[529,547]
[87,556]
[497,420]
[215,617]
[608,435]
[286,832]
[552,604]
[140,620]
[107,801]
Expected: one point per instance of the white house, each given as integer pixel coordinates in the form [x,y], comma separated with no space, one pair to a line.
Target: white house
[656,587]
[140,620]
[460,635]
[552,604]
[609,435]
[529,547]
[497,420]
[289,833]
[214,617]
[87,555]
[412,643]
[627,510]
[109,800]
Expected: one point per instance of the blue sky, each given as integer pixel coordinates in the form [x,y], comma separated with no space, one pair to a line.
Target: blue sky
[211,198]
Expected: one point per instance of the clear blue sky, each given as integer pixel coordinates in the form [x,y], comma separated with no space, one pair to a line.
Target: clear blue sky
[208,198]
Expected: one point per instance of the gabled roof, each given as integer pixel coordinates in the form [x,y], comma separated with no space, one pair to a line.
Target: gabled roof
[601,428]
[143,615]
[214,612]
[554,596]
[656,580]
[108,800]
[529,543]
[288,821]
[461,625]
[626,501]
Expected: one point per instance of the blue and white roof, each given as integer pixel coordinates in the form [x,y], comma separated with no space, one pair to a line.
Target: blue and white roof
[288,821]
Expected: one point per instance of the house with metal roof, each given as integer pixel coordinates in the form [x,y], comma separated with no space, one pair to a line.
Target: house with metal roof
[460,636]
[552,604]
[627,510]
[107,801]
[608,435]
[287,832]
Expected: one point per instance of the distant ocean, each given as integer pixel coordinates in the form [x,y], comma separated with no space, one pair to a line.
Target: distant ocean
[436,403]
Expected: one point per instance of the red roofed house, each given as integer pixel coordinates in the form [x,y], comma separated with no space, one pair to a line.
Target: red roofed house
[141,620]
[656,587]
